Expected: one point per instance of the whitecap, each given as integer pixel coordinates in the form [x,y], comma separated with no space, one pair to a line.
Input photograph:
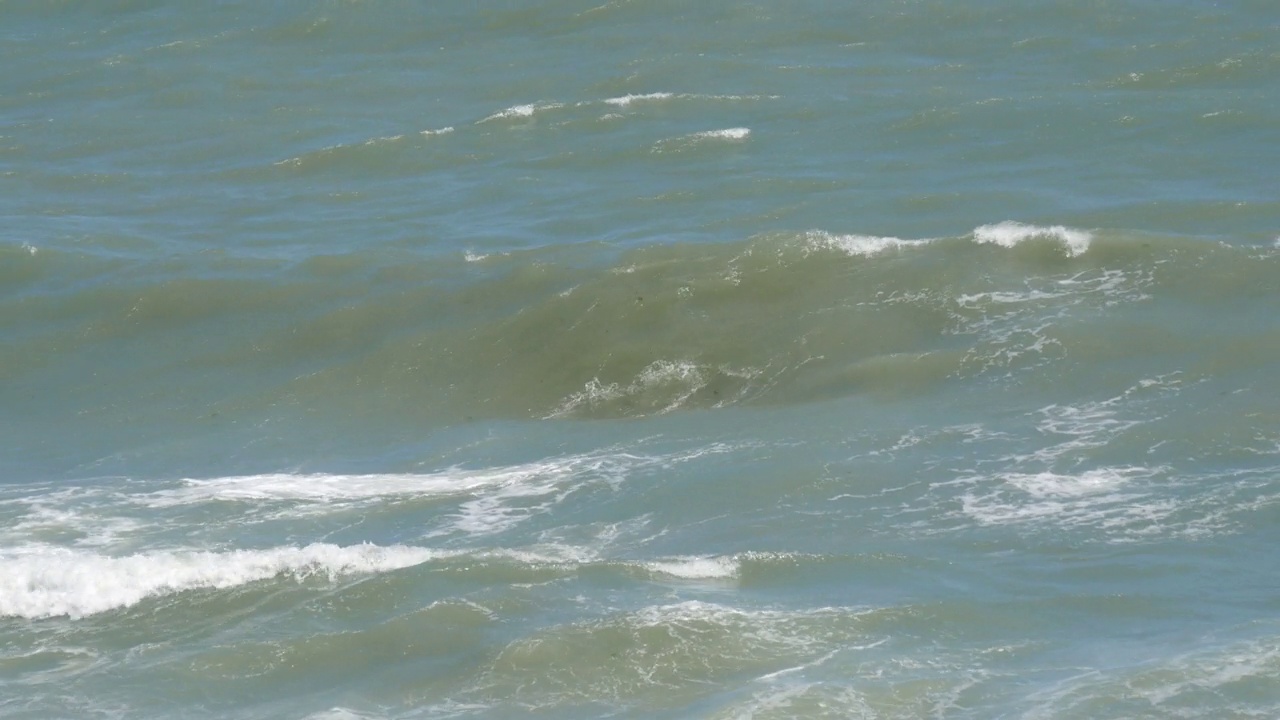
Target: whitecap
[521,111]
[1010,233]
[684,142]
[626,100]
[696,567]
[46,582]
[863,245]
[339,713]
[736,133]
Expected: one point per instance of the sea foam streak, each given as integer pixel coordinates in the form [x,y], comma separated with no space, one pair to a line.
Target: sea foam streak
[51,582]
[609,464]
[626,100]
[324,488]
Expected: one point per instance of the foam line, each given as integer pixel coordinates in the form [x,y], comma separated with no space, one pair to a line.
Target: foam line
[46,582]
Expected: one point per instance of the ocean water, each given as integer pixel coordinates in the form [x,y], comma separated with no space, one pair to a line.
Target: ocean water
[643,359]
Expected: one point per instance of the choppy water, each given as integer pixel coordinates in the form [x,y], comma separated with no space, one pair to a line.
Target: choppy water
[640,359]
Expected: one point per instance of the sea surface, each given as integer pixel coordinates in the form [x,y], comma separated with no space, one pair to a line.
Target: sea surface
[640,359]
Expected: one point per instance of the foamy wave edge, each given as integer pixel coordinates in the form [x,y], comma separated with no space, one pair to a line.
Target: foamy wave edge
[864,245]
[521,111]
[696,567]
[1006,234]
[718,567]
[60,582]
[1010,233]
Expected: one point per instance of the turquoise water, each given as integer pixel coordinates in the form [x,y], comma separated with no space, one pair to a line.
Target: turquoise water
[575,360]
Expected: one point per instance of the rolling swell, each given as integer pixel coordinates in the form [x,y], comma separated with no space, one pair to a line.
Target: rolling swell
[395,337]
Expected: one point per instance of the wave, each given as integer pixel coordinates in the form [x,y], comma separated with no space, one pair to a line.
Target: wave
[44,581]
[701,139]
[592,332]
[522,111]
[1176,685]
[630,99]
[1010,234]
[51,582]
[665,655]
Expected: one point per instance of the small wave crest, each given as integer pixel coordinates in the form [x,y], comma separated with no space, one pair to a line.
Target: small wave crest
[521,111]
[737,133]
[629,99]
[863,245]
[1009,234]
[53,582]
[696,568]
[626,100]
[686,142]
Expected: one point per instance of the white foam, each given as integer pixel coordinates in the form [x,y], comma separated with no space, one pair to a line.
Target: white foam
[685,142]
[696,568]
[89,526]
[1010,233]
[508,506]
[548,554]
[324,488]
[626,100]
[538,487]
[1001,297]
[1115,500]
[1094,424]
[609,464]
[47,582]
[479,502]
[864,245]
[339,713]
[521,111]
[715,613]
[1090,482]
[736,133]
[441,131]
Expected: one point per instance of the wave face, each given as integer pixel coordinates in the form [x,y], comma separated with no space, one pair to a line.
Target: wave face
[600,358]
[374,343]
